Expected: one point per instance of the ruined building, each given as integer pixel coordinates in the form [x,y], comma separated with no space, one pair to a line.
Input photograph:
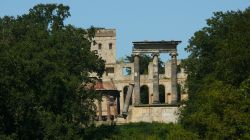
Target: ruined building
[122,85]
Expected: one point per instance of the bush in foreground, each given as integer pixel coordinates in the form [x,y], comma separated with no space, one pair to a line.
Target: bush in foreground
[139,131]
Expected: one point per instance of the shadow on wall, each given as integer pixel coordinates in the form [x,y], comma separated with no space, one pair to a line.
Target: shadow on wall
[162,93]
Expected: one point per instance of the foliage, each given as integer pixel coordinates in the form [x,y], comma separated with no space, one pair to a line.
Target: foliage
[144,62]
[141,131]
[43,63]
[218,71]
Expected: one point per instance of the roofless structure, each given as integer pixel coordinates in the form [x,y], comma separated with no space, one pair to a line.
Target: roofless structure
[155,48]
[131,96]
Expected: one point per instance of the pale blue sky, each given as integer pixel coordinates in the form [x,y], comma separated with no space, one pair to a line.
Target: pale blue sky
[137,20]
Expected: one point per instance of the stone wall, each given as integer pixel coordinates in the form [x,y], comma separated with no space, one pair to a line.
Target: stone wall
[164,114]
[121,80]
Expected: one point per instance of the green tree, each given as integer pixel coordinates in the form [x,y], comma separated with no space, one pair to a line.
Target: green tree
[43,65]
[218,71]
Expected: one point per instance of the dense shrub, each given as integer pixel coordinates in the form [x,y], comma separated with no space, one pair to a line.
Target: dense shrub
[218,69]
[141,131]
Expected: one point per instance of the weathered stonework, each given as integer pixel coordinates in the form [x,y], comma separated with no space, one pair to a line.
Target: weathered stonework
[166,114]
[105,45]
[114,74]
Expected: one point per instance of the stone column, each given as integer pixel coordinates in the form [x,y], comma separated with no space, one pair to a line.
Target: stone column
[174,77]
[127,99]
[99,110]
[137,99]
[155,78]
[108,108]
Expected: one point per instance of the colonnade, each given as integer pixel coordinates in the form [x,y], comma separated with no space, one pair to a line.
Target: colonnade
[155,78]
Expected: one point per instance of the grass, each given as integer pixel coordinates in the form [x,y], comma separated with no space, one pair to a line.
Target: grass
[140,131]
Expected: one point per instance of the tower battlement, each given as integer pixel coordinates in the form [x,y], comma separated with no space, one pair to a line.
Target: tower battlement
[102,32]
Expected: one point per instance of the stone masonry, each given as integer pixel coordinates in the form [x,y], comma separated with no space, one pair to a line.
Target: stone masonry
[105,46]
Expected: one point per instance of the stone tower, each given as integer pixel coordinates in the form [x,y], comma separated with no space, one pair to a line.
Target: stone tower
[105,44]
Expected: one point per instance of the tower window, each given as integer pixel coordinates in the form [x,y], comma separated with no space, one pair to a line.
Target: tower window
[110,46]
[99,46]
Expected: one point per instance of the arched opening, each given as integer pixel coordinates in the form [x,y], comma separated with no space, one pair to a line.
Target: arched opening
[125,90]
[162,93]
[169,98]
[178,92]
[144,94]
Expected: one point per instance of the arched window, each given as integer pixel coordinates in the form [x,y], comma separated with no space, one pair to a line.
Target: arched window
[125,90]
[144,94]
[162,93]
[178,92]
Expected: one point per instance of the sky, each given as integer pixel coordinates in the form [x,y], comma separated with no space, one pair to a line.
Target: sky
[137,20]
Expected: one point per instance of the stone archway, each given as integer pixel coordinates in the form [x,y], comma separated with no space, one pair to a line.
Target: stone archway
[144,94]
[162,93]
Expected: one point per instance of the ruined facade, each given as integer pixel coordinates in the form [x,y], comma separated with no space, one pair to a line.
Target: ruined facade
[119,75]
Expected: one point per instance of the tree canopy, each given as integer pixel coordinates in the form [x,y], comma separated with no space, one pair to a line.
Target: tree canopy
[218,84]
[43,65]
